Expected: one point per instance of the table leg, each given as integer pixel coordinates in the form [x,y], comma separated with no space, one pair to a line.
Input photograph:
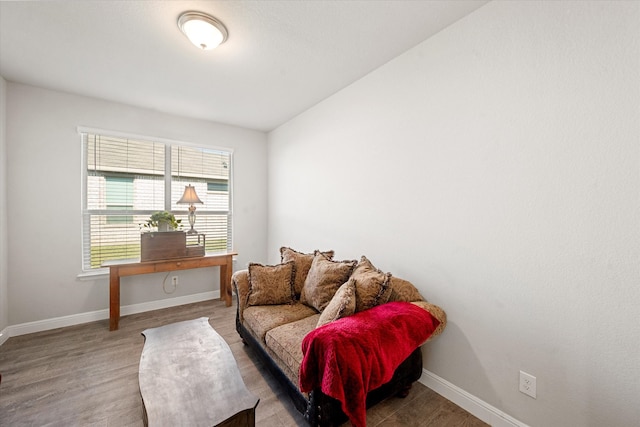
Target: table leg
[226,270]
[228,281]
[114,298]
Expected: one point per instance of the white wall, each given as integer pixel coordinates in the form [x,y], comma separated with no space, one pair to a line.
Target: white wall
[4,299]
[44,199]
[496,166]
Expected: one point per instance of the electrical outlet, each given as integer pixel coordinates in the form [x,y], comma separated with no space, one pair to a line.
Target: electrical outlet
[174,280]
[528,384]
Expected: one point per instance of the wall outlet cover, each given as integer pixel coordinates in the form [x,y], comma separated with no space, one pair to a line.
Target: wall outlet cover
[528,384]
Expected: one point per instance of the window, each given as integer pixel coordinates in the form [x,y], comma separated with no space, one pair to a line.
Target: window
[218,185]
[119,193]
[128,179]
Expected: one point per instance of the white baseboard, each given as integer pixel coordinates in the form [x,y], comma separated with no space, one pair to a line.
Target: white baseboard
[92,316]
[470,403]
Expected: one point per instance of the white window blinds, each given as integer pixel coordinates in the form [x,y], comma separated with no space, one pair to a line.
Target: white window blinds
[126,180]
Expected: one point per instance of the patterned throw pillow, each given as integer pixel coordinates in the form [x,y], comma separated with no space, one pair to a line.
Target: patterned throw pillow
[403,290]
[342,304]
[271,284]
[324,278]
[303,264]
[372,285]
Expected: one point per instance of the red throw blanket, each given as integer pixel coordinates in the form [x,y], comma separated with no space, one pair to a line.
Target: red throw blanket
[351,356]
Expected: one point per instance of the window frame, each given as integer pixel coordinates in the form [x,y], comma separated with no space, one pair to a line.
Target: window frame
[168,180]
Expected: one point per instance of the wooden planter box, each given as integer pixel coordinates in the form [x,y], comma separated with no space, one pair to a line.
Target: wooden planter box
[163,245]
[195,245]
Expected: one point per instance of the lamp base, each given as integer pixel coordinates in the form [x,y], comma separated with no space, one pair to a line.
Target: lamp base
[192,219]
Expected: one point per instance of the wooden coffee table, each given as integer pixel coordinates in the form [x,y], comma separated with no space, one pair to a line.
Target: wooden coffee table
[189,377]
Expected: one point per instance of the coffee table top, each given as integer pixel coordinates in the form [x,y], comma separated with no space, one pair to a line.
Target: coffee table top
[188,376]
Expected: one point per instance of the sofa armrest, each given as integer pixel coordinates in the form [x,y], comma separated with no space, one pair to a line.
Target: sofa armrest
[240,284]
[436,312]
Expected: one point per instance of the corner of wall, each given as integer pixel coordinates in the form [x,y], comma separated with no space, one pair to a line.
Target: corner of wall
[4,303]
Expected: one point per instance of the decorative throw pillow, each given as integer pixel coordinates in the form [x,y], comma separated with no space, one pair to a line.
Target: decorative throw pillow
[323,280]
[271,284]
[372,285]
[342,304]
[403,290]
[303,264]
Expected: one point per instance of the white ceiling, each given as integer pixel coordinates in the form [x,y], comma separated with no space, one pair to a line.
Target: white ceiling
[281,58]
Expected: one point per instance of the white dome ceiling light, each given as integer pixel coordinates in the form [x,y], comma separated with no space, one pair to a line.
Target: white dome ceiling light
[204,31]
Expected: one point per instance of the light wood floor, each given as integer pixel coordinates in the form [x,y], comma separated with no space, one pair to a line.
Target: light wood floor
[85,375]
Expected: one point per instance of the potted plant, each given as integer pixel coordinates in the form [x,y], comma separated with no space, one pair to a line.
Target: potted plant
[163,221]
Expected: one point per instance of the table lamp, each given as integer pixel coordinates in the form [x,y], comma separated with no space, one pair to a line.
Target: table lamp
[189,198]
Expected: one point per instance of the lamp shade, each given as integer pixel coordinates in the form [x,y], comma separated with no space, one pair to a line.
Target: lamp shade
[203,30]
[189,197]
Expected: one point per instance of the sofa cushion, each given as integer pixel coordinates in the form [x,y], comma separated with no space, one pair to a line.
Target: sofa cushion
[323,280]
[341,305]
[271,284]
[403,290]
[372,285]
[285,342]
[303,264]
[260,319]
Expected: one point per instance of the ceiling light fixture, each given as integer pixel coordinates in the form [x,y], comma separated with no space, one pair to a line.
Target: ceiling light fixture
[204,31]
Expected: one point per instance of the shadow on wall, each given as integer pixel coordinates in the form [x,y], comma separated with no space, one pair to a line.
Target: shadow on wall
[457,351]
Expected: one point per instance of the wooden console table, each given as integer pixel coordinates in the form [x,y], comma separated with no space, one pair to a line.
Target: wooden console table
[117,270]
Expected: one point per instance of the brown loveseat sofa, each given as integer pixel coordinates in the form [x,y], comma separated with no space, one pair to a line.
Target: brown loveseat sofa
[279,305]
